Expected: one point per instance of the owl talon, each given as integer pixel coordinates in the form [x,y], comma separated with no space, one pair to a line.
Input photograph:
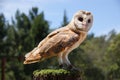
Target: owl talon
[61,66]
[71,67]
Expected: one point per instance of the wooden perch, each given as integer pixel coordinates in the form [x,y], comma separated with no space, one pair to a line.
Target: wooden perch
[56,74]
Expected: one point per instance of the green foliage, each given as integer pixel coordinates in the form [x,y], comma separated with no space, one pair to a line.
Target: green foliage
[65,19]
[2,27]
[94,74]
[113,55]
[39,28]
[2,34]
[18,38]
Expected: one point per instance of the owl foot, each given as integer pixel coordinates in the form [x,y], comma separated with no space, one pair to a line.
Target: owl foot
[73,68]
[61,66]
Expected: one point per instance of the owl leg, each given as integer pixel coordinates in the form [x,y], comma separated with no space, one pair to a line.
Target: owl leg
[60,60]
[67,62]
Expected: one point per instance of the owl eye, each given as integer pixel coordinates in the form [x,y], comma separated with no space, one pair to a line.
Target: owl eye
[89,20]
[80,19]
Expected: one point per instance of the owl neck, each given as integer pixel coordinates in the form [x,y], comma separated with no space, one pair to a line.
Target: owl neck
[74,29]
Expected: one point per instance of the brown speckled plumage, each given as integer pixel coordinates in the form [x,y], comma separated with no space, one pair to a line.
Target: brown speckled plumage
[63,40]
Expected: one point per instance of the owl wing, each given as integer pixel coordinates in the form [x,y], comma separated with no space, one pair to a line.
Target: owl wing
[37,49]
[58,42]
[53,44]
[52,34]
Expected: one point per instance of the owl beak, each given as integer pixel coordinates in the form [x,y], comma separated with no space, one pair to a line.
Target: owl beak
[84,24]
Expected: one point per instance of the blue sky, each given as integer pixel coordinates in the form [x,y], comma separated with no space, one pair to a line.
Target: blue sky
[106,12]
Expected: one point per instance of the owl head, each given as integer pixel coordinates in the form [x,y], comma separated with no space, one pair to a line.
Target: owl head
[82,20]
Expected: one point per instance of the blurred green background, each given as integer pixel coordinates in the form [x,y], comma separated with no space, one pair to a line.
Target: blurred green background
[98,56]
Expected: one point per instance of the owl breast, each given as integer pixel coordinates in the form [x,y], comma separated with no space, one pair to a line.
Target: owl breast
[82,37]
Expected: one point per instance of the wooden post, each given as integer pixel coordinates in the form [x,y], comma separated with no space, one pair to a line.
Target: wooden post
[56,74]
[3,68]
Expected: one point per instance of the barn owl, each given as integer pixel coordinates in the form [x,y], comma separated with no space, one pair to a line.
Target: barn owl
[62,41]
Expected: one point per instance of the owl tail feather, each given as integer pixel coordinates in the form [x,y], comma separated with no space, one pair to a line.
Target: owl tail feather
[33,56]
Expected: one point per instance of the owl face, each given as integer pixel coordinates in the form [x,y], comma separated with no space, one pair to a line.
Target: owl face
[83,20]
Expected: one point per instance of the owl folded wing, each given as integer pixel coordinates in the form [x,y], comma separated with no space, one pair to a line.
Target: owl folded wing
[58,43]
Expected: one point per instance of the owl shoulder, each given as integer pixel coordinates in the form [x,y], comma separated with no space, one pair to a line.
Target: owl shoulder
[63,29]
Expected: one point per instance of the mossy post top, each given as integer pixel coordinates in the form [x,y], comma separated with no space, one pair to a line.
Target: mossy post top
[56,74]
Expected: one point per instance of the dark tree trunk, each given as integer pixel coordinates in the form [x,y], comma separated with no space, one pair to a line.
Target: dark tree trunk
[3,68]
